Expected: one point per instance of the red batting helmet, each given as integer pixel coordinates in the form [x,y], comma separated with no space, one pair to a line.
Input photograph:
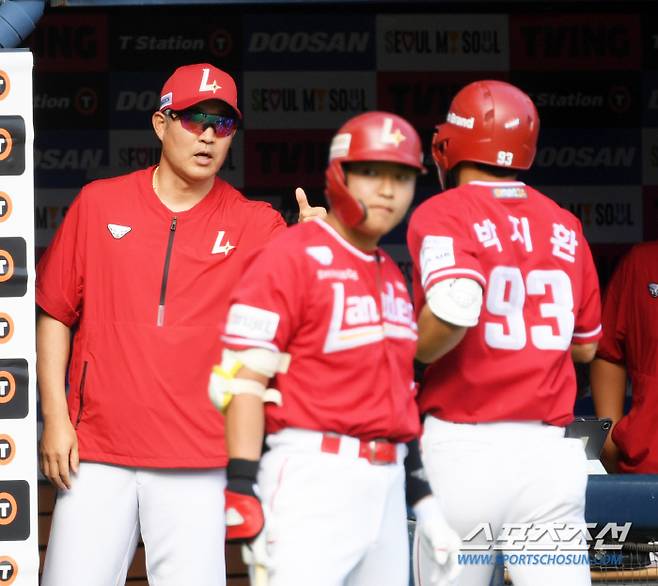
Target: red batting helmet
[489,122]
[373,136]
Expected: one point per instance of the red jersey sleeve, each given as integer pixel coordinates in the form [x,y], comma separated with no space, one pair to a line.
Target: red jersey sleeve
[267,305]
[275,227]
[60,272]
[587,327]
[440,245]
[612,346]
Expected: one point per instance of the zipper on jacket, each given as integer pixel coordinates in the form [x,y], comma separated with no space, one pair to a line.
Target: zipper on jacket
[82,393]
[165,273]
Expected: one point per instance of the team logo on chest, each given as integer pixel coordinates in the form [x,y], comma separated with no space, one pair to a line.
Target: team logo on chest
[220,247]
[118,231]
[358,320]
[653,289]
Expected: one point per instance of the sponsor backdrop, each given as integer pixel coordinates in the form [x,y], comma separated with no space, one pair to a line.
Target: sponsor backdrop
[19,555]
[594,78]
[301,72]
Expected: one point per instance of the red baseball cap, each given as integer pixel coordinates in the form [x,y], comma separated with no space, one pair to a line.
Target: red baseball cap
[191,84]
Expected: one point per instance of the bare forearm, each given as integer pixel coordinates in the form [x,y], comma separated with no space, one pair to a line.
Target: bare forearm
[245,422]
[608,381]
[435,336]
[58,448]
[53,341]
[583,352]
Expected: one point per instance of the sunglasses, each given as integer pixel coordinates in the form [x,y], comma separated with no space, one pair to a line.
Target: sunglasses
[197,122]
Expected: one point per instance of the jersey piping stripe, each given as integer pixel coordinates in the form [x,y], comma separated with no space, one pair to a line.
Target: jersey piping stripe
[447,272]
[249,342]
[344,243]
[587,334]
[398,331]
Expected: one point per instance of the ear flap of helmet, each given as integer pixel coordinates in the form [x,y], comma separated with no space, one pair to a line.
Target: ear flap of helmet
[350,211]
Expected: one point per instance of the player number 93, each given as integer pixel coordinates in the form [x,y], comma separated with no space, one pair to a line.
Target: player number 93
[512,335]
[504,158]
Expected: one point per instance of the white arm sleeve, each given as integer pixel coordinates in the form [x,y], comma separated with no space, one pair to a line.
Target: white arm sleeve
[457,301]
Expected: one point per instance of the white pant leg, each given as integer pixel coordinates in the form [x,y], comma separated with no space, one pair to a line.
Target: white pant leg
[506,473]
[555,493]
[95,529]
[325,514]
[387,560]
[181,514]
[464,475]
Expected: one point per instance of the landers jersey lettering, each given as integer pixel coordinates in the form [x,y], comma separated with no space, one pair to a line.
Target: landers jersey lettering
[362,311]
[540,296]
[335,328]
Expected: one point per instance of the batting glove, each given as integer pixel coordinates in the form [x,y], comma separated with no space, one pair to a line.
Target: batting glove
[438,542]
[244,513]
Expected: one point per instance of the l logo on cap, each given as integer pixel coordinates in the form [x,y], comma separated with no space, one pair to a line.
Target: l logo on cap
[204,87]
[390,136]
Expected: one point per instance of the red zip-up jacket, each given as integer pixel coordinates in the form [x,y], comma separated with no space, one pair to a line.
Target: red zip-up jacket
[147,288]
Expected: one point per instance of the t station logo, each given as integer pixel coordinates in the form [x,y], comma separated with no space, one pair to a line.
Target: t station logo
[14,381]
[5,207]
[12,145]
[13,267]
[7,449]
[14,510]
[8,570]
[6,327]
[5,85]
[13,278]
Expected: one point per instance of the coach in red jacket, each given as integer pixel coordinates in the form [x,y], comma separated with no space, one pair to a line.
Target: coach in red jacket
[141,270]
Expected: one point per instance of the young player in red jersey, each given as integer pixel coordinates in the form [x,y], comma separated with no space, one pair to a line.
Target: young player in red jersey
[629,350]
[507,296]
[327,311]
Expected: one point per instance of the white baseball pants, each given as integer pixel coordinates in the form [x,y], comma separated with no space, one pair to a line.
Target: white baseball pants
[332,519]
[96,527]
[509,472]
